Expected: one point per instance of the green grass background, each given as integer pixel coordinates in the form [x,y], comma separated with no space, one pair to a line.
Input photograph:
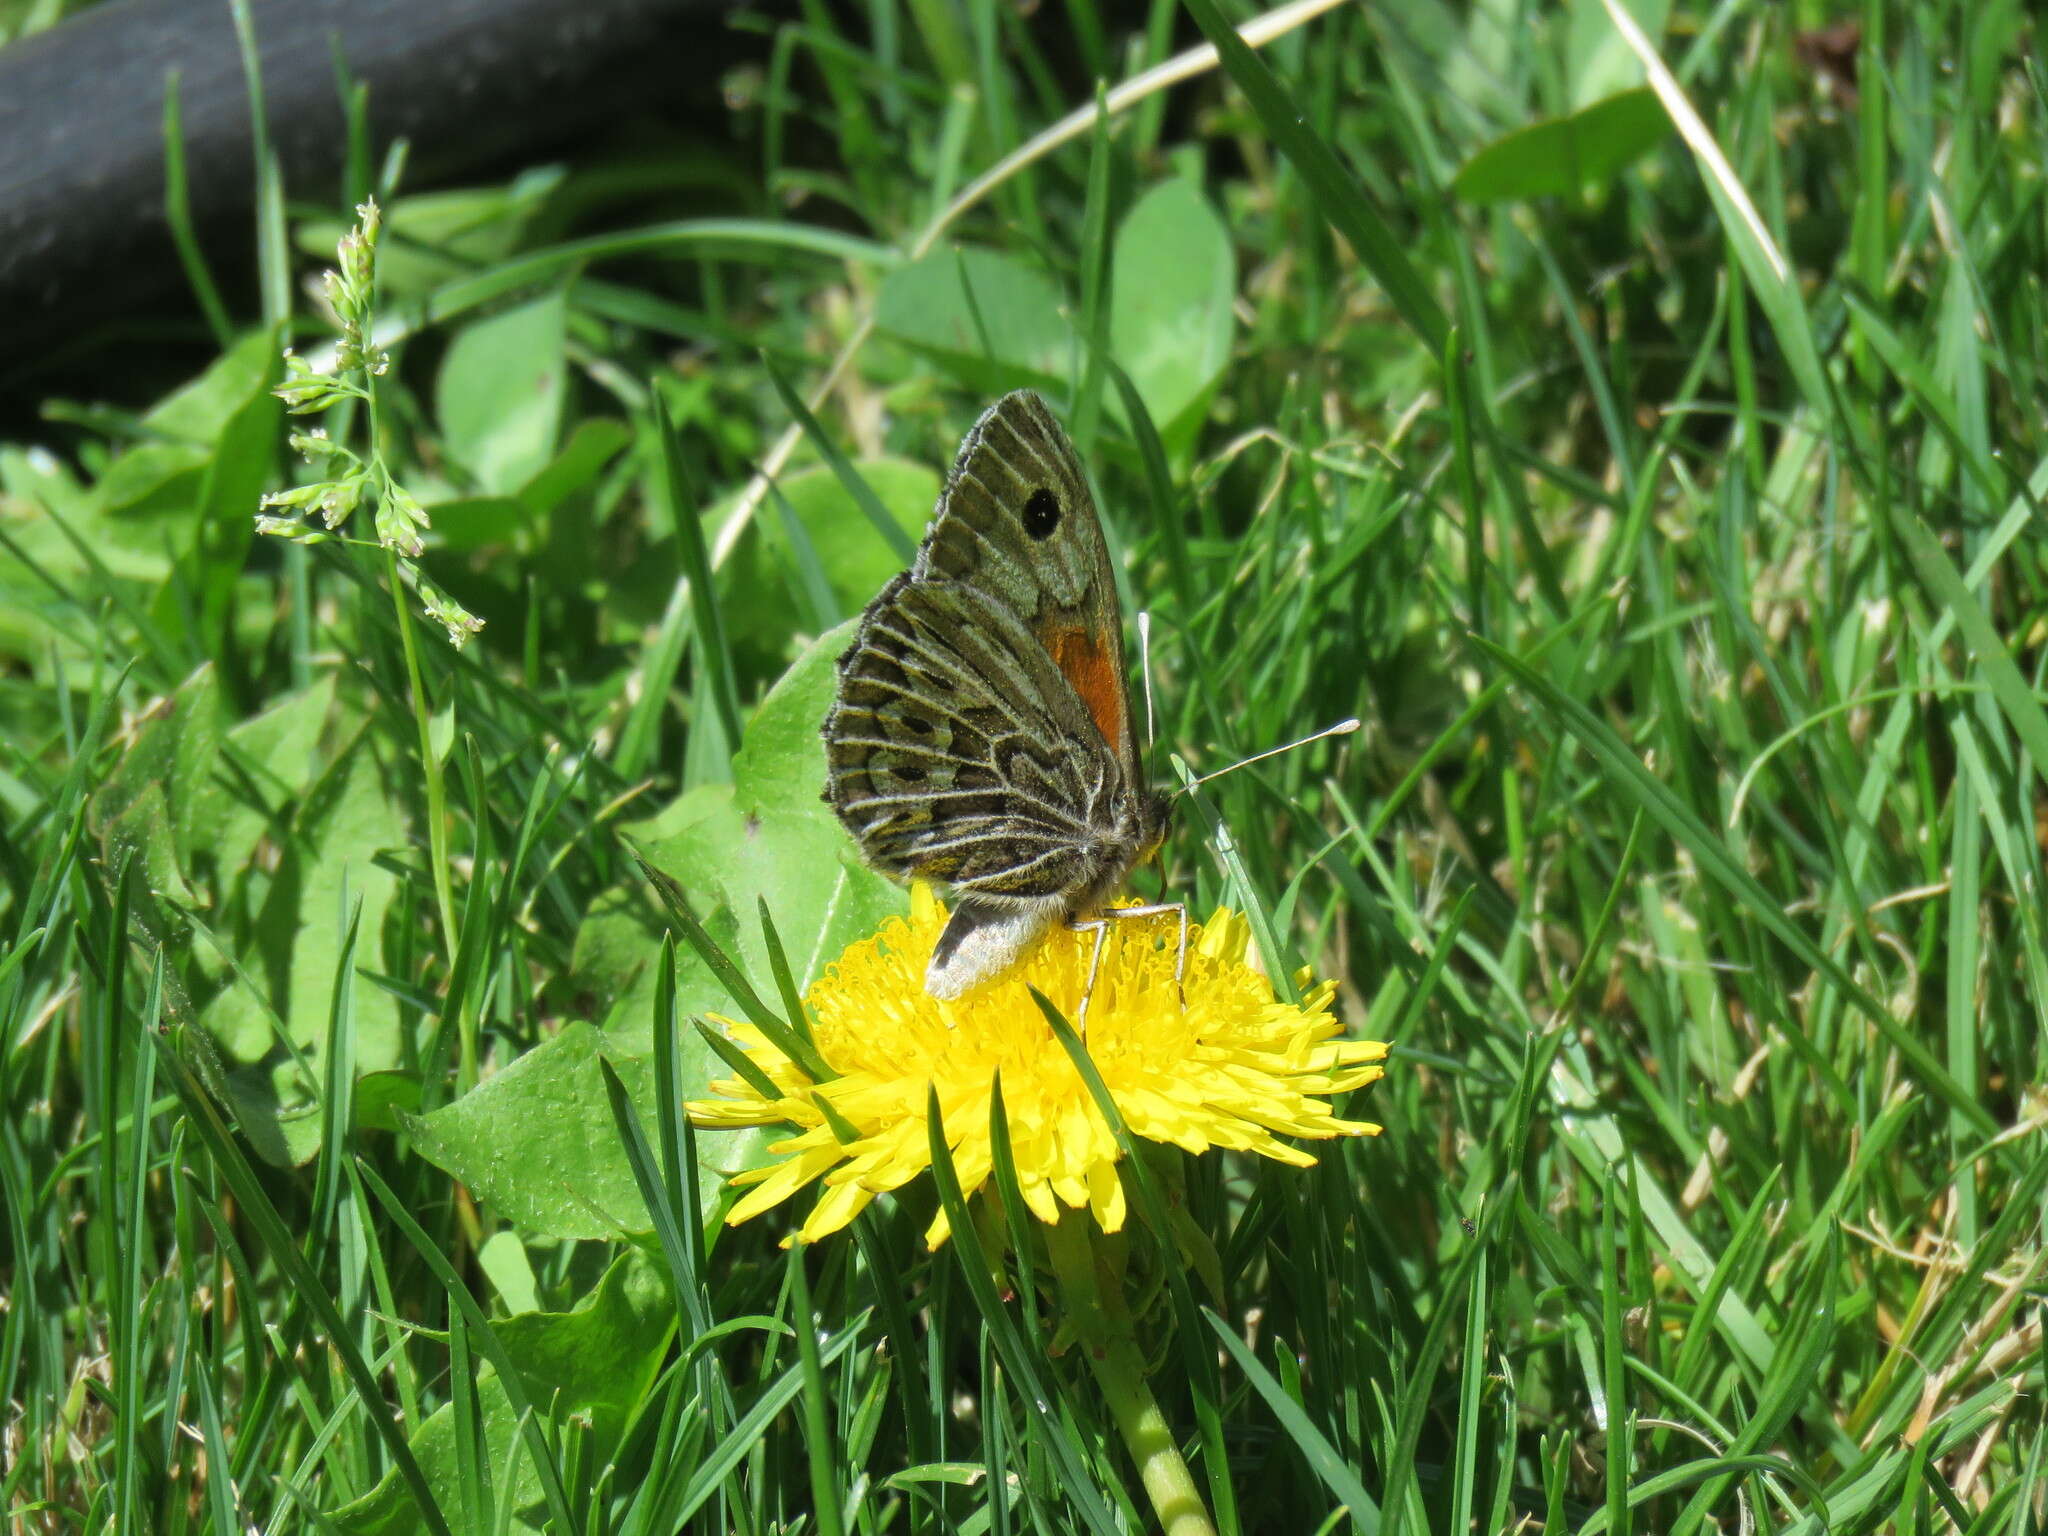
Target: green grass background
[1667,505]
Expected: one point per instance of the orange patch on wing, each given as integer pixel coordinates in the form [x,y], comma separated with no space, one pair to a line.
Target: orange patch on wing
[1085,659]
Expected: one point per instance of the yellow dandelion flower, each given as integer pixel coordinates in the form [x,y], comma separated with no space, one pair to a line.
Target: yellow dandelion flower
[1236,1067]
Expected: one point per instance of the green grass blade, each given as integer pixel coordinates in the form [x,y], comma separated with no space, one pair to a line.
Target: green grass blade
[1628,774]
[1336,193]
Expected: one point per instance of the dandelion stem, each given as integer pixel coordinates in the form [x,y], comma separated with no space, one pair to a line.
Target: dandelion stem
[1168,1483]
[1103,1325]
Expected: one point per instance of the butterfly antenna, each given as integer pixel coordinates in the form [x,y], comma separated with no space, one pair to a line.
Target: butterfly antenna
[1341,728]
[1145,668]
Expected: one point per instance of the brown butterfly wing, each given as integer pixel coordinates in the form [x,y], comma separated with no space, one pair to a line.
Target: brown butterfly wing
[1018,522]
[982,734]
[957,752]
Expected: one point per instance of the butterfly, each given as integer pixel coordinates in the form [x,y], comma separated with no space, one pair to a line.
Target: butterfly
[981,732]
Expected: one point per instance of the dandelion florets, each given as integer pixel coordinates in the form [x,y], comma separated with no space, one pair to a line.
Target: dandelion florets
[1236,1067]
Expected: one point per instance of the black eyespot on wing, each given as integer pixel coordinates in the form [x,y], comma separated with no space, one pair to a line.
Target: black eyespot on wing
[1041,513]
[918,725]
[909,773]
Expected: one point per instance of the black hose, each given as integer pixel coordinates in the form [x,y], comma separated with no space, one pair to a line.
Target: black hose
[467,82]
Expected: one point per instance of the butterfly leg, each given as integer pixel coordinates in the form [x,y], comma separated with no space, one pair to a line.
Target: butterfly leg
[1094,965]
[1099,926]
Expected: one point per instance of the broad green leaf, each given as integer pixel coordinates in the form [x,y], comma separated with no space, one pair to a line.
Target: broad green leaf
[994,323]
[594,1364]
[591,446]
[223,522]
[342,820]
[500,391]
[216,444]
[142,834]
[502,1258]
[1598,63]
[1170,318]
[274,756]
[854,559]
[773,838]
[433,237]
[347,818]
[150,803]
[43,494]
[476,522]
[198,412]
[1565,156]
[473,522]
[380,1098]
[612,969]
[781,762]
[153,479]
[536,1142]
